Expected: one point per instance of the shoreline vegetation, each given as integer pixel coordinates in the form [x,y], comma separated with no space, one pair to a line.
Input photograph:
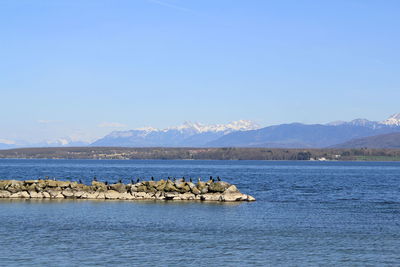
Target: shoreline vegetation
[231,153]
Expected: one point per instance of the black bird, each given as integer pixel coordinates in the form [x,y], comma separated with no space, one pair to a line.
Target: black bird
[95,179]
[219,179]
[169,178]
[80,181]
[211,178]
[138,179]
[131,181]
[120,181]
[174,179]
[190,179]
[183,179]
[106,183]
[152,178]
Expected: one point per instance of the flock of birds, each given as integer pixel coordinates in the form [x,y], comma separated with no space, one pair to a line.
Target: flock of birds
[183,179]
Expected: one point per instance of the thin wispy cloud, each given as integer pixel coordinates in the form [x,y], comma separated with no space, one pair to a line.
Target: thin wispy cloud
[7,141]
[111,125]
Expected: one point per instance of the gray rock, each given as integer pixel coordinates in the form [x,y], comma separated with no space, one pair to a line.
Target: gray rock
[211,197]
[14,186]
[35,194]
[171,195]
[218,187]
[121,188]
[250,198]
[195,191]
[126,196]
[160,190]
[232,189]
[99,186]
[159,195]
[46,195]
[230,197]
[68,193]
[22,194]
[78,194]
[187,196]
[4,194]
[112,194]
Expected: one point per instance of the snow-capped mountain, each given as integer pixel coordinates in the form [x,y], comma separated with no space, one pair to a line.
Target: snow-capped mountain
[393,120]
[242,133]
[187,134]
[356,122]
[240,125]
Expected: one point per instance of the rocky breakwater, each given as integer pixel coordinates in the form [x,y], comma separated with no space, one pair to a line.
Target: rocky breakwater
[155,190]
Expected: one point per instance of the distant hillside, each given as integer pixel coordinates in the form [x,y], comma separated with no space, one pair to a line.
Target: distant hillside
[242,133]
[298,135]
[186,135]
[247,134]
[391,140]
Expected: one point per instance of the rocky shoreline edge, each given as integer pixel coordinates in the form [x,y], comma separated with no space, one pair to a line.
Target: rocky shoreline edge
[146,190]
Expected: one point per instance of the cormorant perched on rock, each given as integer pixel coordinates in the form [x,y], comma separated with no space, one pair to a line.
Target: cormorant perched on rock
[190,179]
[80,181]
[152,178]
[211,178]
[183,179]
[120,181]
[138,179]
[131,181]
[169,178]
[174,179]
[219,179]
[106,183]
[95,179]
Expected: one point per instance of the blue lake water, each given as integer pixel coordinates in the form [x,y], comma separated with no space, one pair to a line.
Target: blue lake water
[306,213]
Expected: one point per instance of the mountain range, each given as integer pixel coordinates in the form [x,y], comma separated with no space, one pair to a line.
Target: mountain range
[247,134]
[244,133]
[391,140]
[186,135]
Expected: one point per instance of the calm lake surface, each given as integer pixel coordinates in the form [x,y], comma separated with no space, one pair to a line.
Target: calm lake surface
[306,213]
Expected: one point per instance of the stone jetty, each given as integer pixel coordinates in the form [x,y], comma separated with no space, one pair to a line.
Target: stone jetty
[146,190]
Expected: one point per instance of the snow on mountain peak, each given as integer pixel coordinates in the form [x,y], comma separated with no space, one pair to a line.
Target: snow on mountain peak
[356,122]
[393,120]
[191,128]
[240,125]
[147,129]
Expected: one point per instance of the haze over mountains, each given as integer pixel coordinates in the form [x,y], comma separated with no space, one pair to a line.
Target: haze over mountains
[244,133]
[390,140]
[247,134]
[186,135]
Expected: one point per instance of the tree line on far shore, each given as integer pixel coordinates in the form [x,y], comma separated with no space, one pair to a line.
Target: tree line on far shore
[231,153]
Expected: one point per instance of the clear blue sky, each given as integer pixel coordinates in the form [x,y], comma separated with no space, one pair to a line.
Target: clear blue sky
[66,67]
